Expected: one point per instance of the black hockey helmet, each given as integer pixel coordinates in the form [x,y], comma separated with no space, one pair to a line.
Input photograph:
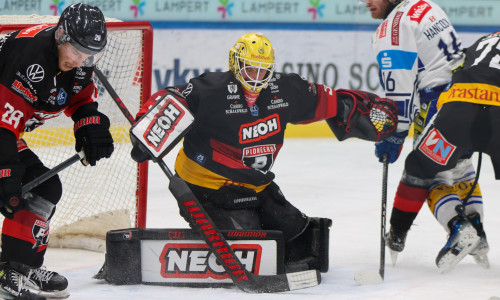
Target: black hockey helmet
[84,27]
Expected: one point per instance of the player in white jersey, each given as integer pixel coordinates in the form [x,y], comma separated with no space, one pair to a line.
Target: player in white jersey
[416,49]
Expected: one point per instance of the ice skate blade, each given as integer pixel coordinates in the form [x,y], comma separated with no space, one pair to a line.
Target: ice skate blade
[394,257]
[482,260]
[467,242]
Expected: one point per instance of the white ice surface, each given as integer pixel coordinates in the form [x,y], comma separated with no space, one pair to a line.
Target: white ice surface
[342,181]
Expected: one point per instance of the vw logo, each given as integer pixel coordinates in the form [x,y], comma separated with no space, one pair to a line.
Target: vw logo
[35,73]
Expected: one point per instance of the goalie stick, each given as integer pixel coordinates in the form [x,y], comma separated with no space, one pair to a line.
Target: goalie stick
[199,219]
[370,277]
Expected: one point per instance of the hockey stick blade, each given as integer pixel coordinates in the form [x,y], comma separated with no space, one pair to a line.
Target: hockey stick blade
[368,277]
[243,279]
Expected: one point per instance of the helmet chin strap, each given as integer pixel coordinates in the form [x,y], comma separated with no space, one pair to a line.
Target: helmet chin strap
[250,97]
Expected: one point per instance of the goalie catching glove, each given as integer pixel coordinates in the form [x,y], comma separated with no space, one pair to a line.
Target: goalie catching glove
[92,133]
[363,115]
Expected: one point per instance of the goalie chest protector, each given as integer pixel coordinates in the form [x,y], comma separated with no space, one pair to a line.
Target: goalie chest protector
[181,257]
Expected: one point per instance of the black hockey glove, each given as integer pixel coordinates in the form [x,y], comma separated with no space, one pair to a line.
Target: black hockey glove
[92,133]
[10,189]
[11,174]
[139,152]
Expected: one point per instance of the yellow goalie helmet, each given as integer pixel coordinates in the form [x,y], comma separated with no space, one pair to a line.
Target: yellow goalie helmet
[252,61]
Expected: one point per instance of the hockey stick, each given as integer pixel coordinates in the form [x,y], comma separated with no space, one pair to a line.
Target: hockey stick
[199,219]
[370,277]
[47,175]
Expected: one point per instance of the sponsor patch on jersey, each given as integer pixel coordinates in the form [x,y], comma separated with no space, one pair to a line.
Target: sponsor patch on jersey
[418,11]
[396,60]
[260,129]
[232,88]
[202,262]
[200,158]
[383,29]
[254,110]
[32,31]
[436,147]
[61,96]
[35,73]
[25,92]
[277,103]
[395,28]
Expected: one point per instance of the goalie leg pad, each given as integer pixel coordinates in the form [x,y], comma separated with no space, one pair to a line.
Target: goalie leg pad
[229,207]
[310,250]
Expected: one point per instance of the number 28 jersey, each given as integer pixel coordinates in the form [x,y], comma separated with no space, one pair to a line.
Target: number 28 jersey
[416,48]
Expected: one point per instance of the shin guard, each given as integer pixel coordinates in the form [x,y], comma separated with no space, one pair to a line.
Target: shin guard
[407,204]
[25,237]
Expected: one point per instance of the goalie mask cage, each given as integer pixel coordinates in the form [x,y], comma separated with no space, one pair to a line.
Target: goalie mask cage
[113,194]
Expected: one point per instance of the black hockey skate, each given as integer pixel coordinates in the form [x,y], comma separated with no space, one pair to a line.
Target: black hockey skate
[47,283]
[395,241]
[463,239]
[12,283]
[480,253]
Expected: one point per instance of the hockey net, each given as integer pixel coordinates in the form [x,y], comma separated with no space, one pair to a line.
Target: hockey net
[111,195]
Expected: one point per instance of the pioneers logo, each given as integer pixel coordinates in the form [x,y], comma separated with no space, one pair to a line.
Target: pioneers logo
[195,260]
[260,129]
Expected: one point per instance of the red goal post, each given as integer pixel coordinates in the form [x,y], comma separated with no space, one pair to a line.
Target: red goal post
[113,194]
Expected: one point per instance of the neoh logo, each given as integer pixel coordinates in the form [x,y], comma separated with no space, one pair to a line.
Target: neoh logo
[260,129]
[436,147]
[163,123]
[195,260]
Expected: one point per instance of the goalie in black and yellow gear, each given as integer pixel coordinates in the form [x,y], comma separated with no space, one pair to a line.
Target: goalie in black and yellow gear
[239,124]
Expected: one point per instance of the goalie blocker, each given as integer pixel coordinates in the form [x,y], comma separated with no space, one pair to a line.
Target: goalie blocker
[160,128]
[363,115]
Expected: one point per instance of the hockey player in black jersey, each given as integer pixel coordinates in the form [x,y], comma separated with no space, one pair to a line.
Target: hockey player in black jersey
[468,120]
[44,71]
[240,117]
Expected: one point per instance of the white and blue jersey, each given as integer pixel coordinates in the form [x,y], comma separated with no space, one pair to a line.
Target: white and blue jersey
[416,48]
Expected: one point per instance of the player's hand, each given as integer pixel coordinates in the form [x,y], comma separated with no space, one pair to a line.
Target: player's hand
[93,136]
[139,153]
[10,189]
[392,146]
